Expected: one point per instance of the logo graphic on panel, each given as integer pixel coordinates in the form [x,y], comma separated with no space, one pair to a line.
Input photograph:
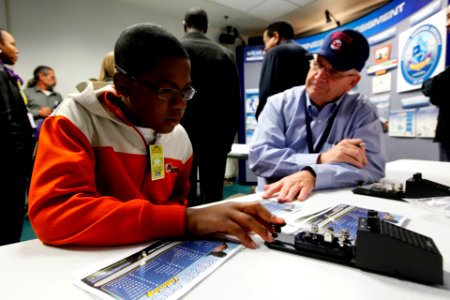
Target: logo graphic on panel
[421,54]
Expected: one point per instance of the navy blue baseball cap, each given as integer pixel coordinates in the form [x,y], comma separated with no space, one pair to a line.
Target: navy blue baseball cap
[345,49]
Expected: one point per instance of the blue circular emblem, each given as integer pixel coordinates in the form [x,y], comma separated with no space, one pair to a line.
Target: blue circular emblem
[421,54]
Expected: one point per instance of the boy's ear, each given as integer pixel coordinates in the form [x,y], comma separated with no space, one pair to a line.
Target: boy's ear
[123,84]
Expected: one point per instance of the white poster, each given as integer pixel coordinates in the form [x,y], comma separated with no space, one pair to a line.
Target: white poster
[251,104]
[421,52]
[426,119]
[383,103]
[381,83]
[402,123]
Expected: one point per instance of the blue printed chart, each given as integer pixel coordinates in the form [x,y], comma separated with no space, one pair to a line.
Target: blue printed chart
[163,270]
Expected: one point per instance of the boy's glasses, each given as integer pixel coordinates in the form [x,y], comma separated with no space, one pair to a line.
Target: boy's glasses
[165,94]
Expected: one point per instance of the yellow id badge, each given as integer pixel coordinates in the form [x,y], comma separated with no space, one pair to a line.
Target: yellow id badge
[157,161]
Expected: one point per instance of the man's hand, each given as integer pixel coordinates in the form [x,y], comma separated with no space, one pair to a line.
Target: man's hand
[351,151]
[296,186]
[44,111]
[233,218]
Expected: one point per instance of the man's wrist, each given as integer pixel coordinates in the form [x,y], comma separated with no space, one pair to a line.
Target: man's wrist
[310,170]
[319,158]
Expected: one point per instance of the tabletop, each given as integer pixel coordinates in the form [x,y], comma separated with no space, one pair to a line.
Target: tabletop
[36,271]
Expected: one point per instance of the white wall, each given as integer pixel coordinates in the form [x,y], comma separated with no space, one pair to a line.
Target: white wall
[2,14]
[73,36]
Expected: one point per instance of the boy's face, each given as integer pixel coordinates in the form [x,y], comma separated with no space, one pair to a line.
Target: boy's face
[145,103]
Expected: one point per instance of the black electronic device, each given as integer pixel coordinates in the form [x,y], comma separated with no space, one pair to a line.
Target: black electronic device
[417,187]
[379,247]
[382,190]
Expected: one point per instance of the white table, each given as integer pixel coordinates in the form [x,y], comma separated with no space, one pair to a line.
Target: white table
[239,151]
[31,270]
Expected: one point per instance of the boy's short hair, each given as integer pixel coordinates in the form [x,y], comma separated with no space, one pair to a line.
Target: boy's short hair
[139,48]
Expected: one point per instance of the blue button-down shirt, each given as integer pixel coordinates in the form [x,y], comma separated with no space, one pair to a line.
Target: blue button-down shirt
[279,146]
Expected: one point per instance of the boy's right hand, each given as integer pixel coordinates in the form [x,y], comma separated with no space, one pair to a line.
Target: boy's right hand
[233,218]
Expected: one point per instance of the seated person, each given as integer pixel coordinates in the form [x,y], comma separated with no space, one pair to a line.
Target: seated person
[320,135]
[113,164]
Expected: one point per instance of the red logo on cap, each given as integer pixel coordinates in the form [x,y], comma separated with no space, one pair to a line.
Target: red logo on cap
[337,40]
[336,44]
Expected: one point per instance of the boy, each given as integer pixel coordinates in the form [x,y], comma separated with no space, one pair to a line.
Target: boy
[113,164]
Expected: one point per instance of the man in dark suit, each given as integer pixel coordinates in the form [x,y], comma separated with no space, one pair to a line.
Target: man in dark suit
[212,116]
[285,63]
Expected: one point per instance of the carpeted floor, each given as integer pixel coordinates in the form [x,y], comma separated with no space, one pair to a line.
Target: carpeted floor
[27,231]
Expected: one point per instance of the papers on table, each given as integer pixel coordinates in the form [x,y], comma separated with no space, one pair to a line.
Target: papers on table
[162,270]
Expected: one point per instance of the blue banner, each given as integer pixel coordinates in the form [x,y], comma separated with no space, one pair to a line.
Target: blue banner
[378,21]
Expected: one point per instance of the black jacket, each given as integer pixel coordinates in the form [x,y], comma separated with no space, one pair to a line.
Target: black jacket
[213,115]
[284,66]
[437,88]
[15,128]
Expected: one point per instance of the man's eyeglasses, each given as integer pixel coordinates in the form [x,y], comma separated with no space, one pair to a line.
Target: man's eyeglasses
[331,73]
[165,94]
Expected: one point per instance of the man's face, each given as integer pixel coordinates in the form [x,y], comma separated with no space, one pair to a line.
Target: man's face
[48,80]
[143,99]
[270,42]
[324,84]
[9,54]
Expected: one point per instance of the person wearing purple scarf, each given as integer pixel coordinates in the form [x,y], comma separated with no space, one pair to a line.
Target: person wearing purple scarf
[16,144]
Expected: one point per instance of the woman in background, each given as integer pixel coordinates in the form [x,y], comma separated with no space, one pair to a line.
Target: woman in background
[107,70]
[17,142]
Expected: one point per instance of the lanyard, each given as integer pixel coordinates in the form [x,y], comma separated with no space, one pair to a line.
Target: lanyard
[325,134]
[24,97]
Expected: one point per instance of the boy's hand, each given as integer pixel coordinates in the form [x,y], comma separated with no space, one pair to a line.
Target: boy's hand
[233,218]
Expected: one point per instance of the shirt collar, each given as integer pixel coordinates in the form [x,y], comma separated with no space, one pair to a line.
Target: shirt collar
[328,108]
[38,90]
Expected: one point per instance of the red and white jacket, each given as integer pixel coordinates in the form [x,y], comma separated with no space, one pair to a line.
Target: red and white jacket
[92,183]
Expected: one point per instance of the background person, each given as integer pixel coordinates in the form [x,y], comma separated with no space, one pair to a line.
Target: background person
[17,143]
[437,89]
[120,171]
[42,98]
[212,117]
[107,69]
[285,63]
[320,135]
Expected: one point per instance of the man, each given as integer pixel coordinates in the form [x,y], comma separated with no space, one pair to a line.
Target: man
[16,139]
[113,164]
[42,99]
[212,117]
[285,63]
[320,135]
[437,89]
